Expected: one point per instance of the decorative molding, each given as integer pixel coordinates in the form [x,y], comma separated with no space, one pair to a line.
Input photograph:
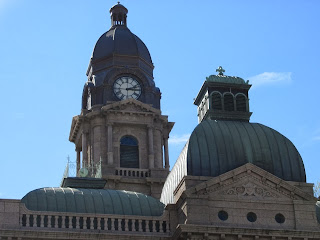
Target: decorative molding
[250,189]
[131,105]
[276,187]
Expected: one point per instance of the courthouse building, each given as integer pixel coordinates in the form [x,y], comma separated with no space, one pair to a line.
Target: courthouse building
[233,179]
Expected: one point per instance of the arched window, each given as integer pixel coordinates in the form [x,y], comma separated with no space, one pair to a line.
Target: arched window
[241,103]
[129,152]
[216,103]
[228,102]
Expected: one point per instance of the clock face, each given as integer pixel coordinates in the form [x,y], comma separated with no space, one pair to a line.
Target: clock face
[126,87]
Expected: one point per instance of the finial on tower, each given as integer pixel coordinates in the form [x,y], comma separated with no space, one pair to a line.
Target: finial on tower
[220,70]
[118,15]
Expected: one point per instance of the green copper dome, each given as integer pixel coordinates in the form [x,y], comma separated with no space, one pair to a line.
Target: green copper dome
[226,79]
[99,201]
[216,147]
[220,78]
[318,211]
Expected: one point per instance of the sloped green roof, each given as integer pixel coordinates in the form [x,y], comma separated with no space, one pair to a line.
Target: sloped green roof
[226,79]
[216,147]
[99,201]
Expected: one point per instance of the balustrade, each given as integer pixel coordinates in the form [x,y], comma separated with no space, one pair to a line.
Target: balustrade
[132,172]
[156,225]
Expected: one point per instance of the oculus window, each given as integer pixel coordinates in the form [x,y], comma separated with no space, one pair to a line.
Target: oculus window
[223,215]
[252,217]
[129,152]
[279,218]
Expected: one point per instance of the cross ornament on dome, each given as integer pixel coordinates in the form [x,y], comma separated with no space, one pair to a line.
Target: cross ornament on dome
[220,70]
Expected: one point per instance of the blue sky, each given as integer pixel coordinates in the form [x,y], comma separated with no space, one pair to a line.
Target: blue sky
[46,46]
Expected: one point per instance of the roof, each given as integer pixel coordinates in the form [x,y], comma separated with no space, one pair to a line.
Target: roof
[216,147]
[120,40]
[226,79]
[99,201]
[118,6]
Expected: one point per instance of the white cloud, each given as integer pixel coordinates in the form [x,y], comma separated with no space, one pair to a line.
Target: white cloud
[316,138]
[179,139]
[270,78]
[316,135]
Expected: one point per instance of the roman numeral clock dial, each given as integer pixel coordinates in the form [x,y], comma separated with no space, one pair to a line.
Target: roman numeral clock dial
[126,87]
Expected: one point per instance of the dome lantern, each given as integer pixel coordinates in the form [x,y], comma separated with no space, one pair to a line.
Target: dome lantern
[118,15]
[223,97]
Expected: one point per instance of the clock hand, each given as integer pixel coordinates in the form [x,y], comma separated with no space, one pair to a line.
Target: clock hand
[133,88]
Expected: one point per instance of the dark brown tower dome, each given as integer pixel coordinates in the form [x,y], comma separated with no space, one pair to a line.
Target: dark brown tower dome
[119,40]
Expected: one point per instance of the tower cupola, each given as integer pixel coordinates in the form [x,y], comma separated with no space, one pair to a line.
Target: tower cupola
[118,15]
[223,97]
[120,67]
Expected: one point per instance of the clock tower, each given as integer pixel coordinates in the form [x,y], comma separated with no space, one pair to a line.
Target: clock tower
[121,132]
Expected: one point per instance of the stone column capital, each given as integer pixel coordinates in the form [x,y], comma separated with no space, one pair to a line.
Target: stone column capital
[165,135]
[109,124]
[85,130]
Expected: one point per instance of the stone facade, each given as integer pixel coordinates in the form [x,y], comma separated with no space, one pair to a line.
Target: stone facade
[97,134]
[244,190]
[194,215]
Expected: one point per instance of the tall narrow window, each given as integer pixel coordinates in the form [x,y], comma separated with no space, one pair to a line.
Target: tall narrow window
[241,103]
[228,102]
[216,101]
[129,152]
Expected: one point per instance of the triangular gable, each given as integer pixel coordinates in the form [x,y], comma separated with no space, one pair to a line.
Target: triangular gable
[249,181]
[131,105]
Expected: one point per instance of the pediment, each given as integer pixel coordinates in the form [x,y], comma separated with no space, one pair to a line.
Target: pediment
[248,182]
[247,187]
[132,106]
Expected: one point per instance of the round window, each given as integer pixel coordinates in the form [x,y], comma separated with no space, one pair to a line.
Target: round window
[279,218]
[252,217]
[223,215]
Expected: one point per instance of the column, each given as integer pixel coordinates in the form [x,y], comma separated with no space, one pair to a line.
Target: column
[49,221]
[96,144]
[112,224]
[150,149]
[77,222]
[161,226]
[27,220]
[140,226]
[84,149]
[42,221]
[166,153]
[110,144]
[158,151]
[78,160]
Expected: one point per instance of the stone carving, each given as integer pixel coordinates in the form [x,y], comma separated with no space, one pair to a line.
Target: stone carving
[250,189]
[130,107]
